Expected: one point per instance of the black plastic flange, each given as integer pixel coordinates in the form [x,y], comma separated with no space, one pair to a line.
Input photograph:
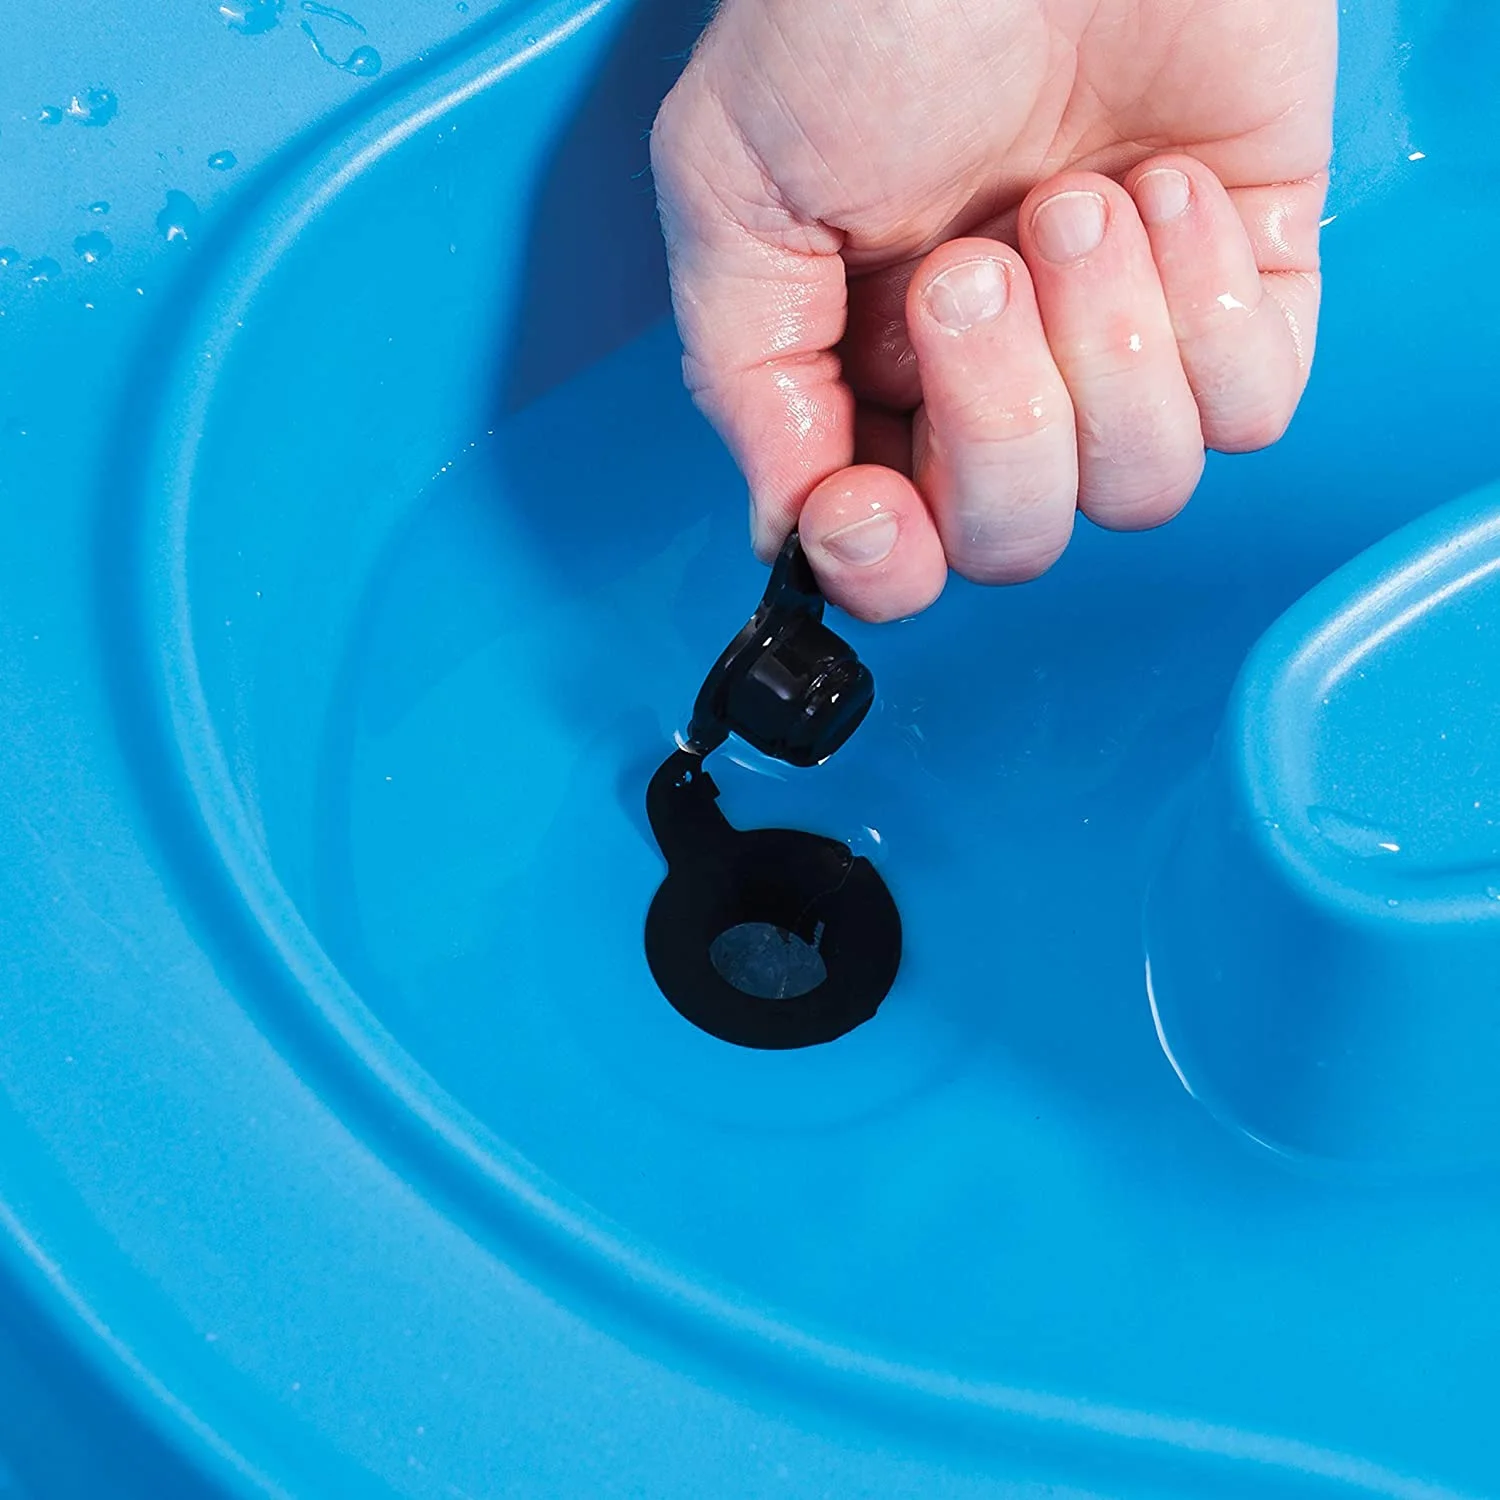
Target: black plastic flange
[720,877]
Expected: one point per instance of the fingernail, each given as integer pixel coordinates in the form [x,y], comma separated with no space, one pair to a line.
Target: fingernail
[1069,226]
[865,543]
[963,295]
[1162,194]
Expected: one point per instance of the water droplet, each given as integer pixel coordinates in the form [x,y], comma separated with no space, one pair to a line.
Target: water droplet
[178,221]
[363,62]
[462,7]
[9,256]
[316,8]
[50,114]
[101,207]
[223,161]
[1352,835]
[95,106]
[250,17]
[44,268]
[92,247]
[1493,892]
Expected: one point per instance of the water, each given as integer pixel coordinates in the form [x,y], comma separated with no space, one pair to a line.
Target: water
[363,62]
[1353,835]
[223,161]
[331,13]
[51,114]
[251,17]
[1023,742]
[9,256]
[92,247]
[768,962]
[178,220]
[95,106]
[42,269]
[99,207]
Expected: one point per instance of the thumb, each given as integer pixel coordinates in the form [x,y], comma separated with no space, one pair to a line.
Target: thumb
[760,300]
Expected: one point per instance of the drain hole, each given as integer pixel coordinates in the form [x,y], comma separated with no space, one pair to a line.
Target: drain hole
[763,937]
[767,961]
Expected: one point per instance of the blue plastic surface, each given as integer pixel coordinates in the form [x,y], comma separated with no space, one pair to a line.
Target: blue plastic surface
[1327,944]
[346,1147]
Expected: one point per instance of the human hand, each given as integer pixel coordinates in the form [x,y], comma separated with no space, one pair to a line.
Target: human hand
[841,185]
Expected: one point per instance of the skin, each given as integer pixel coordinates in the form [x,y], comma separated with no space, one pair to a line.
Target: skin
[948,271]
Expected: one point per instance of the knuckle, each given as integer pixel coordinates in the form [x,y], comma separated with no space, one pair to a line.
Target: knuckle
[1136,432]
[1248,431]
[982,421]
[1022,564]
[671,133]
[1009,537]
[1142,505]
[1141,464]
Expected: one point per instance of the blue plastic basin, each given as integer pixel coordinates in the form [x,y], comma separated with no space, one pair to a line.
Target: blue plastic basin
[359,555]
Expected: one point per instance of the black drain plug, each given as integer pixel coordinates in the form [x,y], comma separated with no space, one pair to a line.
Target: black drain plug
[769,937]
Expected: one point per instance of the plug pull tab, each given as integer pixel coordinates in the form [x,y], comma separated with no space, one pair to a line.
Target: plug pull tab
[682,805]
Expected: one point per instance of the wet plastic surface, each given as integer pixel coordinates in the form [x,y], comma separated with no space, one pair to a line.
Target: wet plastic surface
[346,1145]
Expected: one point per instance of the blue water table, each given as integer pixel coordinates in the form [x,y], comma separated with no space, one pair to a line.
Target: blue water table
[348,1146]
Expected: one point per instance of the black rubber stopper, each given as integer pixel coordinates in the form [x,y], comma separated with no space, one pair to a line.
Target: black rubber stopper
[786,684]
[720,878]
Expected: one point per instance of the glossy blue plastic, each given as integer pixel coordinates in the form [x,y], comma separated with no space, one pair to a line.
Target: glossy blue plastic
[346,1146]
[1326,948]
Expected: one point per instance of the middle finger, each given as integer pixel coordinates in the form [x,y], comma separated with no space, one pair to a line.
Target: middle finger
[1140,444]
